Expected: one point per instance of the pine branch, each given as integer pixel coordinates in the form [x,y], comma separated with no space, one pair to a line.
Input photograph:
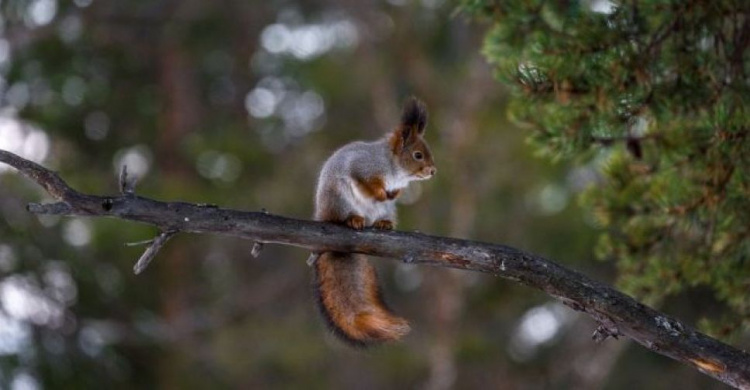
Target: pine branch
[616,313]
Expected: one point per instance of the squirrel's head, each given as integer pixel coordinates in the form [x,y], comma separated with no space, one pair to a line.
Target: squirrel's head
[408,145]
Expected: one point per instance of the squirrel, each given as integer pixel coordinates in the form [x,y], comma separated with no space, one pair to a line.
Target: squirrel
[357,187]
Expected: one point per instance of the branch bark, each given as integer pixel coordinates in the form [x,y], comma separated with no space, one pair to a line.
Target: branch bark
[616,313]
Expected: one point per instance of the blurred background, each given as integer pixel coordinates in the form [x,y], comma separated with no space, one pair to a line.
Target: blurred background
[238,103]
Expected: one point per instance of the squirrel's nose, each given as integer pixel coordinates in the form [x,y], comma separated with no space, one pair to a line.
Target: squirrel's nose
[433,171]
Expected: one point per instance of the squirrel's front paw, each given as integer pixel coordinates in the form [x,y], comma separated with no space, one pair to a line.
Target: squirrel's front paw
[356,222]
[384,224]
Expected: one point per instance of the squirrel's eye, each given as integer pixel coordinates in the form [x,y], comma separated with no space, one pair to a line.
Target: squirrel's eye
[418,155]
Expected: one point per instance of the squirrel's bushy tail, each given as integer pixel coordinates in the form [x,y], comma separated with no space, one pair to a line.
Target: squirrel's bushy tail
[349,298]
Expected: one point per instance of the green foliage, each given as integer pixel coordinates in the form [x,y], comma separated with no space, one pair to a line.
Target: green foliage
[658,92]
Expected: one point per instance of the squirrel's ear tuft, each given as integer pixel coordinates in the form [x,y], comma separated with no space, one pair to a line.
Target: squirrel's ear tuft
[414,115]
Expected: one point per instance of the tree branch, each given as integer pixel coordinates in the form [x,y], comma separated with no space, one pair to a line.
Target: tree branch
[152,250]
[616,313]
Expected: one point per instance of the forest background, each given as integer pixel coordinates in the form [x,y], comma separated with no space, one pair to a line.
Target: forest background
[238,103]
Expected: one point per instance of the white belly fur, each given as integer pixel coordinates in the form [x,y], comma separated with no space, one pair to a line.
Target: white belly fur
[364,205]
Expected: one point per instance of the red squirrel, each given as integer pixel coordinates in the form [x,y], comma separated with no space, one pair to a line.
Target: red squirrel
[357,187]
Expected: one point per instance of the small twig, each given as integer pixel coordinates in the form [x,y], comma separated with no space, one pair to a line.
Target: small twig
[127,187]
[139,243]
[257,247]
[602,333]
[312,259]
[151,251]
[123,178]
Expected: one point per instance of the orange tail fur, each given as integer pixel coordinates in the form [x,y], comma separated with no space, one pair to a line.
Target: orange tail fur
[350,300]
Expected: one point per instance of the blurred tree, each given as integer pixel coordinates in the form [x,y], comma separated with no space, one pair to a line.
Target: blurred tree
[654,95]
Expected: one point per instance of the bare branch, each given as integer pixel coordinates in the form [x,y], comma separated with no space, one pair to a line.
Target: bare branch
[138,243]
[312,259]
[257,247]
[151,251]
[602,333]
[59,208]
[617,313]
[127,185]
